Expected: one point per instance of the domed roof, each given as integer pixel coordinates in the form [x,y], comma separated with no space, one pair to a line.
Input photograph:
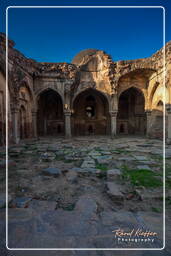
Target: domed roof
[78,58]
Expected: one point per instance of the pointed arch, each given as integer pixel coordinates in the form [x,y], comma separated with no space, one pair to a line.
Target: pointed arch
[91,113]
[50,115]
[131,117]
[154,89]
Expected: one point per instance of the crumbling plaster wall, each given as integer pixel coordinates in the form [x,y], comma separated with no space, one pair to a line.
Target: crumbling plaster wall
[90,69]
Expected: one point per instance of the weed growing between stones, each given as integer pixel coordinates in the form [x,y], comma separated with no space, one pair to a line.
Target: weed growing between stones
[59,158]
[98,149]
[69,207]
[102,167]
[142,177]
[121,151]
[155,209]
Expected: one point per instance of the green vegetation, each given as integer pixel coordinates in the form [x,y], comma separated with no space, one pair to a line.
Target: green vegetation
[102,167]
[168,179]
[69,207]
[142,177]
[168,183]
[59,158]
[121,151]
[98,149]
[155,209]
[101,175]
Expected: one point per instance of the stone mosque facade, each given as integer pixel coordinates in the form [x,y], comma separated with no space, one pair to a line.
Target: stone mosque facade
[93,95]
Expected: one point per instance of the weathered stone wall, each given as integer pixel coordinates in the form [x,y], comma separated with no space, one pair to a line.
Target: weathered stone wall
[92,70]
[2,108]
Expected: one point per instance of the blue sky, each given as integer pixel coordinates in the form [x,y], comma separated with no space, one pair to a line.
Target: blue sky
[57,35]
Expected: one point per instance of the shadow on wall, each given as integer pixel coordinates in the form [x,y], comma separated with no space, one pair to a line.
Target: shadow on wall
[91,114]
[156,127]
[131,118]
[50,118]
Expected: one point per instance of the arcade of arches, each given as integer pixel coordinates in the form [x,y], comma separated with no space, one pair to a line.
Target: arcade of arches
[93,95]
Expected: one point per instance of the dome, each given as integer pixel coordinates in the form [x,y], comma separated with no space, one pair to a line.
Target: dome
[79,57]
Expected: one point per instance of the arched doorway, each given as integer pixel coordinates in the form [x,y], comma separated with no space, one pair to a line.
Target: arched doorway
[91,114]
[23,124]
[50,118]
[131,117]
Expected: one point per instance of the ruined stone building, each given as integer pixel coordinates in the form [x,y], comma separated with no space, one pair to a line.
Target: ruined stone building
[93,95]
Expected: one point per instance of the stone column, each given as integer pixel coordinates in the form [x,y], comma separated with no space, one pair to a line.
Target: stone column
[113,123]
[15,127]
[67,114]
[34,123]
[148,115]
[168,135]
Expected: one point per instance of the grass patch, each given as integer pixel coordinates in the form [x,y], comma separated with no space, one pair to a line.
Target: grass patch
[102,167]
[69,207]
[98,149]
[121,151]
[59,158]
[102,175]
[142,177]
[168,183]
[168,173]
[155,209]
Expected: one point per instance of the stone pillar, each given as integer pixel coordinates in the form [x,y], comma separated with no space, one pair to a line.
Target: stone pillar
[67,114]
[15,127]
[113,123]
[148,116]
[34,123]
[168,135]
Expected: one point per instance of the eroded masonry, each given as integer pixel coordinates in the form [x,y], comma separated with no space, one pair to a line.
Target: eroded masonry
[93,95]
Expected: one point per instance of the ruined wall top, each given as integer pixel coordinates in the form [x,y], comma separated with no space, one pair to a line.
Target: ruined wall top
[90,60]
[155,61]
[59,70]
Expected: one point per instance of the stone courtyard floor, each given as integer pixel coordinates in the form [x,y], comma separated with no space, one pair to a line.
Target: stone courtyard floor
[72,193]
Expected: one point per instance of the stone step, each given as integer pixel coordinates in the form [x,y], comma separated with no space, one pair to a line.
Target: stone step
[115,191]
[113,174]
